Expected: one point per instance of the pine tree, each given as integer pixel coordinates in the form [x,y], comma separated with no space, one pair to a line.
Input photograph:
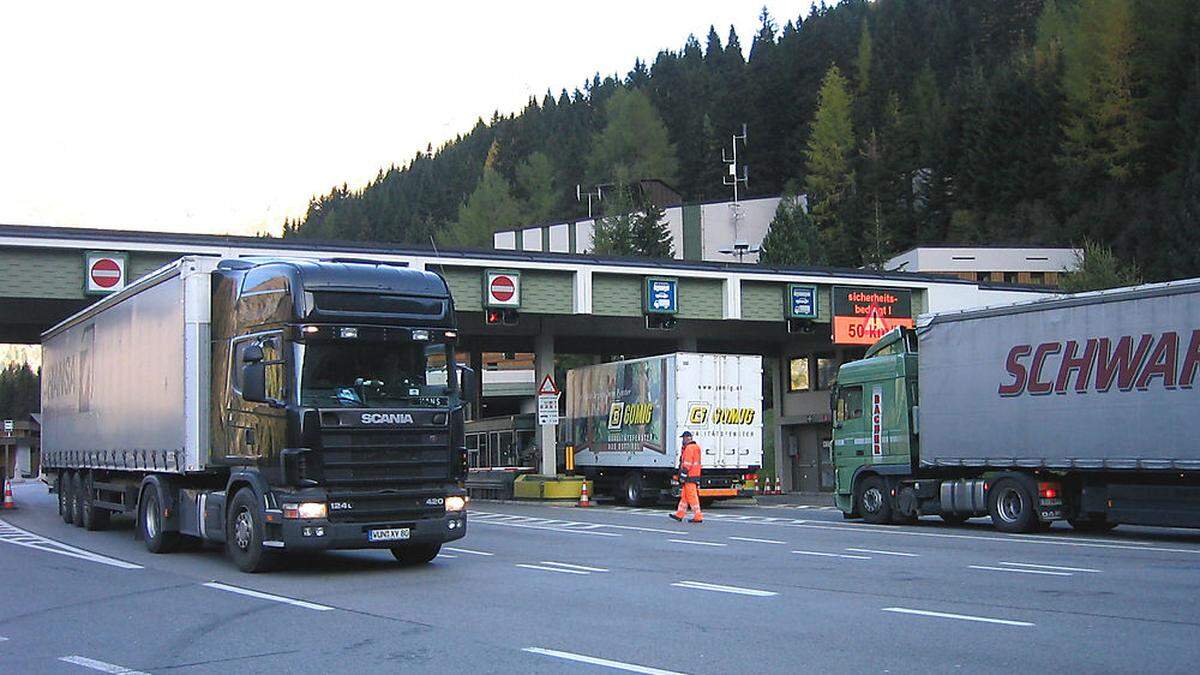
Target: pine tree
[651,238]
[490,207]
[830,176]
[633,141]
[793,238]
[538,184]
[1097,269]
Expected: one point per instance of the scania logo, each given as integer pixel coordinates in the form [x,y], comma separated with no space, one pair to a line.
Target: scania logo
[387,418]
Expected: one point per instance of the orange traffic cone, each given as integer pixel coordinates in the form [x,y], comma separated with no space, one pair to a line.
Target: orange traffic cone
[8,500]
[584,502]
[778,486]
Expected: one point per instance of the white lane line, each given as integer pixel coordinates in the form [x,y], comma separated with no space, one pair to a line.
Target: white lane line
[702,586]
[822,554]
[548,529]
[696,543]
[1052,567]
[267,596]
[872,550]
[1021,571]
[638,529]
[100,665]
[758,541]
[585,568]
[961,617]
[551,569]
[466,550]
[607,663]
[3,639]
[14,535]
[446,555]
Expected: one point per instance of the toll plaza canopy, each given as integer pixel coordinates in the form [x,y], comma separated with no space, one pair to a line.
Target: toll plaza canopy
[802,319]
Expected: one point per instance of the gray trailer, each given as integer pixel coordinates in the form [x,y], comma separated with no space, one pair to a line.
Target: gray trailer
[1078,407]
[269,405]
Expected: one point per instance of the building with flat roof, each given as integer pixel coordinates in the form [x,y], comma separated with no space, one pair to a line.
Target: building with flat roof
[1035,266]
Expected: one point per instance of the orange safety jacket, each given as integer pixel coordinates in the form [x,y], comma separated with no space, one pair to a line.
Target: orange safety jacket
[689,460]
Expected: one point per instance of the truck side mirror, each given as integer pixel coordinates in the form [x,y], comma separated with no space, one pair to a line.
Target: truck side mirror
[469,381]
[254,380]
[253,353]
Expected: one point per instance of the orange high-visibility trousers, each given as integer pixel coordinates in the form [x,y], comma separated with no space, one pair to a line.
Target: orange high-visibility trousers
[689,496]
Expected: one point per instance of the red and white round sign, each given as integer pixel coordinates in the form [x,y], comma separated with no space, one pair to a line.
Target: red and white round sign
[503,288]
[105,273]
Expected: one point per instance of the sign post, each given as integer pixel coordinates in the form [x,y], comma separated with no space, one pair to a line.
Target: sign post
[547,395]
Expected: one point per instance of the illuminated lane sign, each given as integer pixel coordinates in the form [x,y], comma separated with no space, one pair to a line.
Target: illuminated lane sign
[863,315]
[802,301]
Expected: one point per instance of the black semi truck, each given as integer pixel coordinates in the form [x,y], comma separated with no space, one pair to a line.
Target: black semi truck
[270,405]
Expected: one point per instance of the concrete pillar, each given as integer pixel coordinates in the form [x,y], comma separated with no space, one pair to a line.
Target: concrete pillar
[780,371]
[477,365]
[686,343]
[543,364]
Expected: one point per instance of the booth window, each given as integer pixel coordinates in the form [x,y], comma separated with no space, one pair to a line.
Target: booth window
[798,376]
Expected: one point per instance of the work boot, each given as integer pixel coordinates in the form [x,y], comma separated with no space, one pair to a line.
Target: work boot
[696,520]
[676,517]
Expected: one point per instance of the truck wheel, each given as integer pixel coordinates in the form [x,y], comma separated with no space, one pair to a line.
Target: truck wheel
[64,496]
[1011,505]
[706,502]
[416,554]
[150,523]
[633,489]
[244,534]
[94,517]
[1091,524]
[873,500]
[77,498]
[953,518]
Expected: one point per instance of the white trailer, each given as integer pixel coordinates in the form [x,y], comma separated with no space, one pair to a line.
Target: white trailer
[624,420]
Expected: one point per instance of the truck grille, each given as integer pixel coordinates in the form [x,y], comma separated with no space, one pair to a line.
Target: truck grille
[385,506]
[369,458]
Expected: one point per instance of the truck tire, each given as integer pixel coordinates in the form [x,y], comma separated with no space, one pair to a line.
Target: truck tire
[245,533]
[1012,506]
[874,502]
[150,523]
[63,485]
[633,489]
[77,498]
[94,517]
[416,554]
[1091,523]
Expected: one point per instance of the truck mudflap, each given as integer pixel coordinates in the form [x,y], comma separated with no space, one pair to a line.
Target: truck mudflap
[320,534]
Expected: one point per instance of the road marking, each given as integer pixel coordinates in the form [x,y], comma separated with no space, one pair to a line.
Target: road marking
[1052,567]
[100,665]
[585,568]
[505,520]
[833,555]
[702,586]
[267,596]
[446,555]
[550,569]
[3,639]
[500,518]
[696,543]
[467,550]
[18,537]
[871,550]
[961,617]
[607,663]
[758,541]
[1015,569]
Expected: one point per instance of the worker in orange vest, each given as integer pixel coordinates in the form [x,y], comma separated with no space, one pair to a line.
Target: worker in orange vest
[689,478]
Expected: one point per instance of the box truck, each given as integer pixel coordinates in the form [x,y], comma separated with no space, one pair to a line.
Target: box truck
[1078,407]
[268,405]
[624,420]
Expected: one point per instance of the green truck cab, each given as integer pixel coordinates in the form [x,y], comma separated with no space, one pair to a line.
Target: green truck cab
[874,420]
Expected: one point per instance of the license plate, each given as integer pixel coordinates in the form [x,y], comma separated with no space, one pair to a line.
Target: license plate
[390,534]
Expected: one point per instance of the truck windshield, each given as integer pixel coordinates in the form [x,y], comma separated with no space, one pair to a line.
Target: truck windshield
[374,375]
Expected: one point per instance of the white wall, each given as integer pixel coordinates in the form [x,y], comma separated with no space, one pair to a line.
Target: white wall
[955,297]
[560,238]
[984,259]
[531,239]
[716,224]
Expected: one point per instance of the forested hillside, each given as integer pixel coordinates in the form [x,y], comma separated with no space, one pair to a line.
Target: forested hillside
[905,121]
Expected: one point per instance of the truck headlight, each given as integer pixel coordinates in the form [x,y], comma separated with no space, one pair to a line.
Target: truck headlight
[305,510]
[456,503]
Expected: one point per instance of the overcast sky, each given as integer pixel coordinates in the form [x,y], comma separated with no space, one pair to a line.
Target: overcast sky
[225,118]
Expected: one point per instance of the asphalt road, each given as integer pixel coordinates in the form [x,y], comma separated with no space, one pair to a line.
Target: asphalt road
[536,588]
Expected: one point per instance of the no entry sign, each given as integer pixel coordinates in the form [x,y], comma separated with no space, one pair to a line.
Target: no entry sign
[501,288]
[104,271]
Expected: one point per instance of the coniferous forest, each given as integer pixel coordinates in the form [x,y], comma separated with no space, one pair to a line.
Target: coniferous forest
[1046,122]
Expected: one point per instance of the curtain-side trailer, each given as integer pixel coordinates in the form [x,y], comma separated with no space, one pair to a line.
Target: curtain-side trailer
[1079,407]
[270,405]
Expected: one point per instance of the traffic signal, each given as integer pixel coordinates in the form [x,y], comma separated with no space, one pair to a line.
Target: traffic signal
[501,317]
[802,326]
[660,322]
